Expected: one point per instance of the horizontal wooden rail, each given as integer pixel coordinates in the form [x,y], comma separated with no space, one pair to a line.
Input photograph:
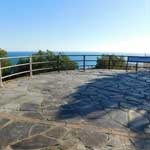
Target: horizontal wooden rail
[15,66]
[14,74]
[41,69]
[44,62]
[16,57]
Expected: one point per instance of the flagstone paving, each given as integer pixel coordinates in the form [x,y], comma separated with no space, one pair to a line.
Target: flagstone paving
[73,110]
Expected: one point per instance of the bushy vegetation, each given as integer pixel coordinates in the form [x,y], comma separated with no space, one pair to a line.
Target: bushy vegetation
[66,63]
[54,62]
[24,67]
[110,62]
[42,56]
[5,62]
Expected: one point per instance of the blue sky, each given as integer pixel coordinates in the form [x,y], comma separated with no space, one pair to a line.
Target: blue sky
[75,25]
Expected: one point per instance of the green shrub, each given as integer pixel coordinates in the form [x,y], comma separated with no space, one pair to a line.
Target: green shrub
[110,62]
[41,56]
[5,62]
[66,63]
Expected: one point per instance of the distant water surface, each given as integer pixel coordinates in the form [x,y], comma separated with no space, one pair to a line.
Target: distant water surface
[78,58]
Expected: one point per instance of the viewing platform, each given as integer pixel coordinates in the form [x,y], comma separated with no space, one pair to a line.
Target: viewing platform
[75,75]
[76,110]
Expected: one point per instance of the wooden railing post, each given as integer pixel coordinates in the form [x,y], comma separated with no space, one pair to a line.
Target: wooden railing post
[31,74]
[127,63]
[58,63]
[84,62]
[136,67]
[1,80]
[109,57]
[127,67]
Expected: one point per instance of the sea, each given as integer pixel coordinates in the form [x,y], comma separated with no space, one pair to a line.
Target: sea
[90,60]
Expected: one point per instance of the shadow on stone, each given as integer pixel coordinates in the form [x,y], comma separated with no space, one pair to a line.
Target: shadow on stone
[113,101]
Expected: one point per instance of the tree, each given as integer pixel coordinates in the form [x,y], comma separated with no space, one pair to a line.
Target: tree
[66,63]
[111,62]
[4,62]
[42,56]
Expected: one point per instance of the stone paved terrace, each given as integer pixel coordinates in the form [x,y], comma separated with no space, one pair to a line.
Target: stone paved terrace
[92,110]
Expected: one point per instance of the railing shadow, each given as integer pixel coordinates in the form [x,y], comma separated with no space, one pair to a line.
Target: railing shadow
[115,101]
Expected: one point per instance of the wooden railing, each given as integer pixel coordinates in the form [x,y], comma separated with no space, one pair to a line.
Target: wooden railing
[82,64]
[30,64]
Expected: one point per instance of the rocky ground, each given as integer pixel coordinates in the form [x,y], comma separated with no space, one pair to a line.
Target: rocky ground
[92,110]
